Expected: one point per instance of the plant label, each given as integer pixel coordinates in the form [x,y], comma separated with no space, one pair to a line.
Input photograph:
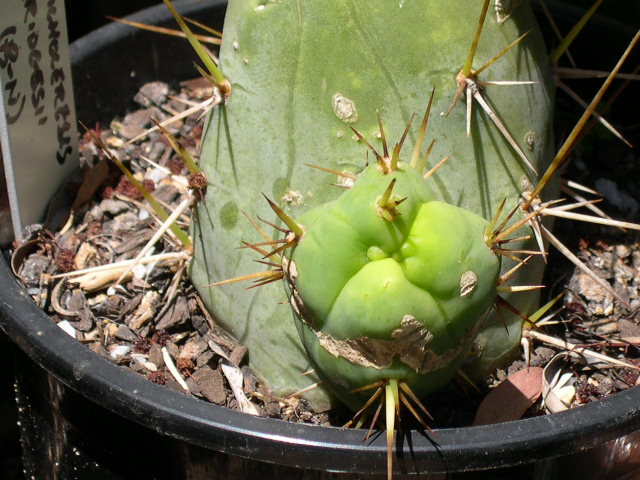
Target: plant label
[37,112]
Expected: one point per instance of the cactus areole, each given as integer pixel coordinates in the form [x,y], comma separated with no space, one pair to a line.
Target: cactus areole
[389,283]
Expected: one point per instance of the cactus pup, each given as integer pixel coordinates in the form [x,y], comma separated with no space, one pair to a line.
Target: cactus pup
[389,286]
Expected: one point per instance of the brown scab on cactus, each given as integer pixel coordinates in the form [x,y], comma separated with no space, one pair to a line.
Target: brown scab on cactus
[344,108]
[468,283]
[409,344]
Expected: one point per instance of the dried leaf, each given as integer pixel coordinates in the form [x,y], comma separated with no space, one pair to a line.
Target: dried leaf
[145,310]
[68,328]
[557,394]
[86,256]
[168,361]
[92,179]
[211,384]
[236,380]
[90,282]
[218,349]
[512,398]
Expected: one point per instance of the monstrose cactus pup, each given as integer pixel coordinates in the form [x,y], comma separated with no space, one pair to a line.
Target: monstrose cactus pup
[388,285]
[405,282]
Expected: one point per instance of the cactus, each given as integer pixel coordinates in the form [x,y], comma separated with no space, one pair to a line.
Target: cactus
[302,73]
[416,278]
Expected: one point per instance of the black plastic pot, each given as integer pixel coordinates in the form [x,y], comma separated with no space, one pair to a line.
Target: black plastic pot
[92,419]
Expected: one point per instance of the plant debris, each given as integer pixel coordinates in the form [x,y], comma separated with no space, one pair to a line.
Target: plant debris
[511,398]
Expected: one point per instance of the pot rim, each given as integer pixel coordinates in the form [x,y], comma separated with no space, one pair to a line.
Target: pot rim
[300,445]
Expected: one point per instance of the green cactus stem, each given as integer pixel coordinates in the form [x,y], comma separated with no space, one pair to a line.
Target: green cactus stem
[401,296]
[303,73]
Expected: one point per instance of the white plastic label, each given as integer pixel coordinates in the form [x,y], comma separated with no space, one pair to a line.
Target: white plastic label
[37,114]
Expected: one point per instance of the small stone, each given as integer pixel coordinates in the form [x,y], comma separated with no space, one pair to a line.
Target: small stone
[211,384]
[166,193]
[622,251]
[566,394]
[272,409]
[33,269]
[138,367]
[113,141]
[113,207]
[590,289]
[125,333]
[605,386]
[200,324]
[628,328]
[193,348]
[172,348]
[73,300]
[155,355]
[111,329]
[134,123]
[152,93]
[118,351]
[541,356]
[85,320]
[204,358]
[194,388]
[501,375]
